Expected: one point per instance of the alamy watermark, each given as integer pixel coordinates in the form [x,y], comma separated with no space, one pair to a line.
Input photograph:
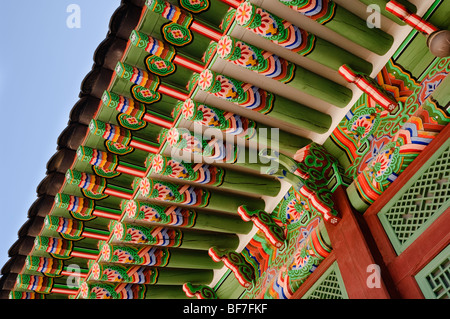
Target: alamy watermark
[208,145]
[374,18]
[74,280]
[73,20]
[374,279]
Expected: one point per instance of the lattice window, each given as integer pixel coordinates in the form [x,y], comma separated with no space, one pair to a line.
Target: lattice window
[328,286]
[434,279]
[419,202]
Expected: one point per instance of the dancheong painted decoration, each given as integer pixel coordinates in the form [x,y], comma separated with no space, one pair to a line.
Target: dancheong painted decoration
[226,149]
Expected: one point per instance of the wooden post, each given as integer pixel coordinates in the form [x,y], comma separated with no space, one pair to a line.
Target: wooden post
[133,108]
[166,52]
[130,291]
[147,87]
[213,149]
[83,208]
[120,135]
[354,253]
[382,6]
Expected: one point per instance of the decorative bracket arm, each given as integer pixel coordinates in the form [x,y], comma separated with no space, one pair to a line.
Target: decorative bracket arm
[370,87]
[410,18]
[264,222]
[244,272]
[200,291]
[438,41]
[319,202]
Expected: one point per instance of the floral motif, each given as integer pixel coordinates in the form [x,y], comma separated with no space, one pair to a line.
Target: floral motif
[176,34]
[206,79]
[84,290]
[144,186]
[131,208]
[118,230]
[244,13]
[173,136]
[95,271]
[363,125]
[106,252]
[224,46]
[195,6]
[157,164]
[188,109]
[382,165]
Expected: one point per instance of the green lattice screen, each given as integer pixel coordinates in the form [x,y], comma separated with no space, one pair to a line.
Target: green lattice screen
[329,286]
[419,202]
[434,278]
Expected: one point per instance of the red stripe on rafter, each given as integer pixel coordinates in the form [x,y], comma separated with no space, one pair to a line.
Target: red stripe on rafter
[206,31]
[80,254]
[130,171]
[89,234]
[188,64]
[64,291]
[232,3]
[74,274]
[157,121]
[172,93]
[116,193]
[145,147]
[412,19]
[107,215]
[348,74]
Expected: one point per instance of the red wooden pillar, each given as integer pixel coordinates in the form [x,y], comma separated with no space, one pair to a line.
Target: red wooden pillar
[355,253]
[436,237]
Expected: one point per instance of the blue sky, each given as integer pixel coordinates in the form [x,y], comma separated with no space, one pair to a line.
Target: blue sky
[43,63]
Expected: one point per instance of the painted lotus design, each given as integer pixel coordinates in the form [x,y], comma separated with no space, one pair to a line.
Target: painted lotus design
[188,109]
[173,136]
[144,187]
[224,46]
[205,79]
[131,208]
[106,252]
[157,164]
[382,165]
[244,13]
[118,230]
